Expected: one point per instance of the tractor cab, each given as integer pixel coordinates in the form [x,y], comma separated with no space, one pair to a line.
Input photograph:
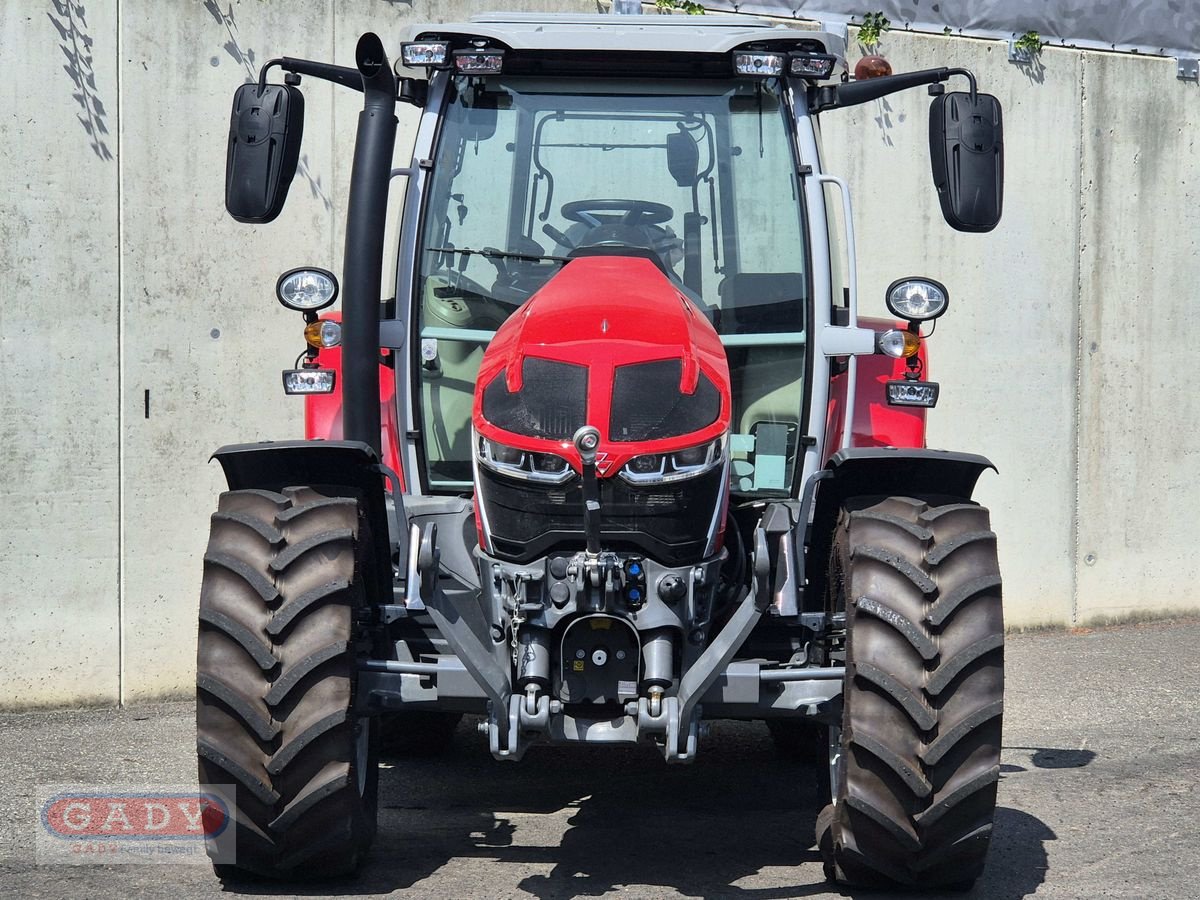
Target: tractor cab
[698,177]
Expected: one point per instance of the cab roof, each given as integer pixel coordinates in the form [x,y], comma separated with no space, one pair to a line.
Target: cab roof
[535,33]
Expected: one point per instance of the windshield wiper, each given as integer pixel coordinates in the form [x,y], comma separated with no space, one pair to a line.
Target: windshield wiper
[493,253]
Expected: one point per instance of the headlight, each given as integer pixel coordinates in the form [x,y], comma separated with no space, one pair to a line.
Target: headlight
[547,467]
[660,468]
[917,299]
[306,289]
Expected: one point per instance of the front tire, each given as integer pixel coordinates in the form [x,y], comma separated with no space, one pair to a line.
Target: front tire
[915,772]
[281,633]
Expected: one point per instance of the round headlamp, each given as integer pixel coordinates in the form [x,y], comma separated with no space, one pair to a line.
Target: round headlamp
[917,299]
[306,289]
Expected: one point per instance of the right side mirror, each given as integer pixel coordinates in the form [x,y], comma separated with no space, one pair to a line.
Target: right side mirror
[966,150]
[265,131]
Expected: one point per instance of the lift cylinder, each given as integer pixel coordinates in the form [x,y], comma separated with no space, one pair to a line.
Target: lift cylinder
[658,659]
[533,663]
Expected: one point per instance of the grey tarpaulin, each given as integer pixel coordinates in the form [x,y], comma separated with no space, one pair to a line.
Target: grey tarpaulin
[1161,27]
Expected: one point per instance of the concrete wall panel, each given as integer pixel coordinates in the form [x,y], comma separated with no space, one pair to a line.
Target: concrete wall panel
[203,335]
[1139,473]
[59,354]
[1005,352]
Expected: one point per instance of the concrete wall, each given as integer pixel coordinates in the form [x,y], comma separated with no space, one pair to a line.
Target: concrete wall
[1064,355]
[139,331]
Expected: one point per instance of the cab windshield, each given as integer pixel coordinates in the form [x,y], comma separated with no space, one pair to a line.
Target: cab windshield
[698,176]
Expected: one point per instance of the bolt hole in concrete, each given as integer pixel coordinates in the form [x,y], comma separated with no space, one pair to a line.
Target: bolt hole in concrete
[215,333]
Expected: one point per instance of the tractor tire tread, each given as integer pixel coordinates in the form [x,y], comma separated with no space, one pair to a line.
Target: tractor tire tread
[920,639]
[287,741]
[905,567]
[245,637]
[948,670]
[923,693]
[265,589]
[293,609]
[910,700]
[292,675]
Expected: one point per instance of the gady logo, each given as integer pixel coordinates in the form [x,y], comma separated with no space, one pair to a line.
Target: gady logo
[134,816]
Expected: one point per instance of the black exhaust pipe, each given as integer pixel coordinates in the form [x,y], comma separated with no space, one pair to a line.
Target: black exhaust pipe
[362,266]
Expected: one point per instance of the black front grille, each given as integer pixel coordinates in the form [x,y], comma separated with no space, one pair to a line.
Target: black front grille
[552,402]
[647,404]
[668,522]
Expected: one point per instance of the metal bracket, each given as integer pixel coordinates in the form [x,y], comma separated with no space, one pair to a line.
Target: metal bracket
[814,621]
[667,723]
[520,721]
[392,334]
[1188,69]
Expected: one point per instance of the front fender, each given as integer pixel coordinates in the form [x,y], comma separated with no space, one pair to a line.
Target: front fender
[883,472]
[335,468]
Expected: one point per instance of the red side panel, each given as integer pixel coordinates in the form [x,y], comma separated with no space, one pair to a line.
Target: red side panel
[323,412]
[876,424]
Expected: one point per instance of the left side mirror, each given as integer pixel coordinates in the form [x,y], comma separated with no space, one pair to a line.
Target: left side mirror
[966,150]
[265,131]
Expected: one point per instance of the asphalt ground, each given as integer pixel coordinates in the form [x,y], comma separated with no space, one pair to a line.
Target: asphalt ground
[1098,798]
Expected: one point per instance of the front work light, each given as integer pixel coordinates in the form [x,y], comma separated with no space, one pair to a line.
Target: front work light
[912,393]
[435,54]
[306,289]
[759,65]
[479,62]
[917,299]
[811,65]
[308,381]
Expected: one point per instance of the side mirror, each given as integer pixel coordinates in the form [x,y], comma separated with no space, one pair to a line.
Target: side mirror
[966,149]
[480,118]
[265,131]
[683,158]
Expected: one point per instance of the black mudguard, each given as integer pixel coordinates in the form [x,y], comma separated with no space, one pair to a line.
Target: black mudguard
[336,468]
[883,472]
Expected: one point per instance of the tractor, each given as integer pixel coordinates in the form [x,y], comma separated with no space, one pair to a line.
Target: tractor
[614,455]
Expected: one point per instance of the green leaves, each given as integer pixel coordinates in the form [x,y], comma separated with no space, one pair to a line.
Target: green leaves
[873,25]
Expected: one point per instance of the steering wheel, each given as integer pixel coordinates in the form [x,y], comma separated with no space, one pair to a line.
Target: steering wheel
[633,212]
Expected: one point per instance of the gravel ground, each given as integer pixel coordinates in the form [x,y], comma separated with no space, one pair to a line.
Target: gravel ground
[1098,798]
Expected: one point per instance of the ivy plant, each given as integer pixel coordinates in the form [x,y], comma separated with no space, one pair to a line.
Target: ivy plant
[871,29]
[1029,44]
[687,6]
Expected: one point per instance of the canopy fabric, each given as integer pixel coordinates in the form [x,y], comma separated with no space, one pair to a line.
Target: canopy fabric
[1158,27]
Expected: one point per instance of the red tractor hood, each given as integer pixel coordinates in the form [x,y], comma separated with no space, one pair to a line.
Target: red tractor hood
[575,354]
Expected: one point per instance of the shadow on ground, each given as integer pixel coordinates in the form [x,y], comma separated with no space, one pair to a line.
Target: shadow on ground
[624,819]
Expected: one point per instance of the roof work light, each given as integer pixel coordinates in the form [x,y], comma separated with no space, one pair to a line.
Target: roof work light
[432,54]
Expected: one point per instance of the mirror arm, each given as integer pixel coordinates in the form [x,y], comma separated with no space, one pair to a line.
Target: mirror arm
[970,76]
[412,90]
[853,93]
